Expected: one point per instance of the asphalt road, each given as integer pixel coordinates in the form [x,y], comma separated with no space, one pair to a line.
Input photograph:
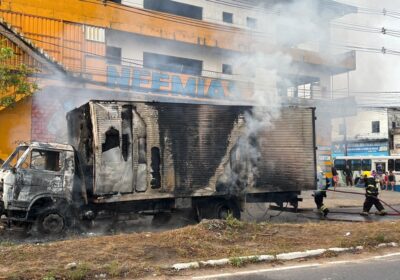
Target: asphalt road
[373,268]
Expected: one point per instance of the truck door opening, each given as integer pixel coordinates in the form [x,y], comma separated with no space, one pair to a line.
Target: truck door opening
[112,139]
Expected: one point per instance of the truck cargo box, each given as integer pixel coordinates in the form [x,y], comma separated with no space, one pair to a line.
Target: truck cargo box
[143,150]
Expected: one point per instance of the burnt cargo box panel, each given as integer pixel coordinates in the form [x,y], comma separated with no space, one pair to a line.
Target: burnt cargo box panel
[288,151]
[157,149]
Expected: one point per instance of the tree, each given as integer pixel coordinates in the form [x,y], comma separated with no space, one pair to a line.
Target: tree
[15,78]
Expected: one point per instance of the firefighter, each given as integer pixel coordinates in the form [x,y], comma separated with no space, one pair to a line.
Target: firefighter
[320,193]
[371,198]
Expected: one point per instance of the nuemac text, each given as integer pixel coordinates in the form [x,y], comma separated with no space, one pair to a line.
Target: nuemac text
[145,80]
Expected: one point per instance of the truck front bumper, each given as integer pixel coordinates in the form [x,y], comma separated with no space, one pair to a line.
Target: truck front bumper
[17,211]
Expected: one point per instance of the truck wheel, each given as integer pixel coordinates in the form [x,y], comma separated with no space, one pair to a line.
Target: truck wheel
[51,222]
[161,218]
[223,208]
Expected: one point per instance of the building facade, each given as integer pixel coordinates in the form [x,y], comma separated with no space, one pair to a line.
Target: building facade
[371,132]
[192,51]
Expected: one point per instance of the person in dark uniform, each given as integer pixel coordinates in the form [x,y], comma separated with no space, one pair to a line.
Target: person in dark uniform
[349,176]
[320,193]
[371,198]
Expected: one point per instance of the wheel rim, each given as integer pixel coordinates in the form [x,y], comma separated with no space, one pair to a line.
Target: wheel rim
[53,223]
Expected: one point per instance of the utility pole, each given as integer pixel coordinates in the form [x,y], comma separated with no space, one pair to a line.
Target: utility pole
[344,119]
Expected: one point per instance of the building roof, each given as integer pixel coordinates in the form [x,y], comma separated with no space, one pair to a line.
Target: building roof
[41,59]
[30,48]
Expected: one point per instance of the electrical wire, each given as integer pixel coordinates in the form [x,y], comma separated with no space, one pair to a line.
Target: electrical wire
[102,72]
[349,47]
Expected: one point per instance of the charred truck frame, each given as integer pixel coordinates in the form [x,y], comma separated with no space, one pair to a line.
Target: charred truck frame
[141,157]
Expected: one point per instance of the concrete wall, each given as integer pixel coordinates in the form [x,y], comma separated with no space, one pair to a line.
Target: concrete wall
[360,140]
[212,12]
[394,130]
[134,46]
[359,127]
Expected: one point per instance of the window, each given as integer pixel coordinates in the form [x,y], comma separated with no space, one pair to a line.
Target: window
[172,64]
[96,34]
[116,1]
[175,8]
[13,159]
[227,69]
[356,164]
[397,165]
[391,142]
[391,164]
[251,22]
[380,167]
[366,165]
[340,164]
[43,160]
[393,124]
[227,17]
[114,55]
[375,127]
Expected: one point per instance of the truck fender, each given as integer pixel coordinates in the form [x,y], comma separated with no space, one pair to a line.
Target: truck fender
[42,201]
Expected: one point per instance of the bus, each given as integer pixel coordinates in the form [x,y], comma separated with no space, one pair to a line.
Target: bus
[364,165]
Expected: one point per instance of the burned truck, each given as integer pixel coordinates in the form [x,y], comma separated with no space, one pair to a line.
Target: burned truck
[148,157]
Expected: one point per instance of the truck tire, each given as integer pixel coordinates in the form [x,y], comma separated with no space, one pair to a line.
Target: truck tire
[223,208]
[2,209]
[51,222]
[160,219]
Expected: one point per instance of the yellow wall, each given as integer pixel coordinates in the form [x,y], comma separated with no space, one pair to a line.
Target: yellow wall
[15,126]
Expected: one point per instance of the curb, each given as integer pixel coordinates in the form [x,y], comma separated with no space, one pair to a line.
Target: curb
[269,258]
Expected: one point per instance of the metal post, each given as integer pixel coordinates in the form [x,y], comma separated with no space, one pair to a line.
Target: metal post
[344,119]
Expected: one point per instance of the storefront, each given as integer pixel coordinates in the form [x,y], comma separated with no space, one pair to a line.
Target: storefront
[372,148]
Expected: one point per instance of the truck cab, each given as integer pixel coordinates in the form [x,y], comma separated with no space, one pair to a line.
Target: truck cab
[39,183]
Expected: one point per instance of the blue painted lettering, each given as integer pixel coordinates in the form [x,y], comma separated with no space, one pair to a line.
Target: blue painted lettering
[200,87]
[114,79]
[179,88]
[215,90]
[160,80]
[233,89]
[140,79]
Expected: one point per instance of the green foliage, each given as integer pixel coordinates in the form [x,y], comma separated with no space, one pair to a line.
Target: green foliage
[236,262]
[14,79]
[380,238]
[6,243]
[49,276]
[79,273]
[232,222]
[239,262]
[113,269]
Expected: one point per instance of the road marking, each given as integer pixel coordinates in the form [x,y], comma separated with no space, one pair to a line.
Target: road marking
[257,271]
[387,256]
[312,265]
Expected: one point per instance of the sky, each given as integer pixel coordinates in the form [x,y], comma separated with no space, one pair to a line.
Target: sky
[375,72]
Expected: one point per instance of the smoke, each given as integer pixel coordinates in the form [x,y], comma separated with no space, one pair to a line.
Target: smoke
[297,26]
[294,26]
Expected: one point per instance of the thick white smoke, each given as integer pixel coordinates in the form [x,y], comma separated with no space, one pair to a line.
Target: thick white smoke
[299,25]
